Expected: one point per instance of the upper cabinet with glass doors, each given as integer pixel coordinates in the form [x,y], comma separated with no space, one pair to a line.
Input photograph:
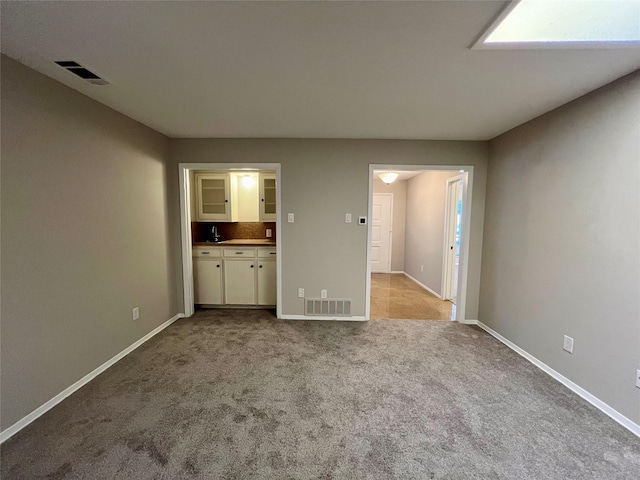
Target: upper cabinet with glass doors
[267,197]
[212,197]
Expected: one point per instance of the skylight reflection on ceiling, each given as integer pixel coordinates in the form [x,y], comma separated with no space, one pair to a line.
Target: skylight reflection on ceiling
[569,21]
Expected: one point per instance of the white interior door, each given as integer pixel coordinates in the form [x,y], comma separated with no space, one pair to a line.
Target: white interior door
[453,218]
[381,217]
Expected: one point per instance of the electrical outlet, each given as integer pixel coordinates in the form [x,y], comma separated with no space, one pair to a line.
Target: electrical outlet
[301,293]
[568,344]
[290,217]
[422,268]
[136,313]
[638,378]
[268,233]
[347,218]
[323,293]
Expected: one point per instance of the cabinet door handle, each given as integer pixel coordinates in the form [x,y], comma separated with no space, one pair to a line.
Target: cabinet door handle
[226,201]
[260,266]
[205,253]
[238,253]
[272,253]
[251,266]
[218,266]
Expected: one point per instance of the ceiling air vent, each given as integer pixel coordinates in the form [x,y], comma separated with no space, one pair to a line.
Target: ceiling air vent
[80,71]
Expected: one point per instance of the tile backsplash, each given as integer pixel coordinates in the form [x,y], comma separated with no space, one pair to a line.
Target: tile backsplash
[201,231]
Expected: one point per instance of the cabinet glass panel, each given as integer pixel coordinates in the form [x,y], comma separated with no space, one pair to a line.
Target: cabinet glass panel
[213,196]
[270,195]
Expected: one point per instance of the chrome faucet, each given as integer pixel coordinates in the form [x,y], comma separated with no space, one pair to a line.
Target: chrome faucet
[215,234]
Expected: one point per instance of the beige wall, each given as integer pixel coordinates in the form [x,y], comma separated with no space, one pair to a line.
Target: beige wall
[562,241]
[424,243]
[399,191]
[85,237]
[321,181]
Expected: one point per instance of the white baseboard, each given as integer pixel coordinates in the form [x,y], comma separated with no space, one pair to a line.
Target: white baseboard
[592,399]
[423,285]
[394,271]
[317,317]
[469,322]
[23,422]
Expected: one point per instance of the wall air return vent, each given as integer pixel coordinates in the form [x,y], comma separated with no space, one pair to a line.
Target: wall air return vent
[328,307]
[80,71]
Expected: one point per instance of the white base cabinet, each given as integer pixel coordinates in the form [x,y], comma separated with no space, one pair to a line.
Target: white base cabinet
[207,276]
[234,276]
[240,281]
[267,282]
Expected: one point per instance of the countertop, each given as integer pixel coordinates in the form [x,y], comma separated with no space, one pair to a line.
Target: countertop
[245,242]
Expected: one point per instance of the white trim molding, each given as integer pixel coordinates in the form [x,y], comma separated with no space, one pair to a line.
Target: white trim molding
[592,399]
[469,322]
[432,292]
[42,409]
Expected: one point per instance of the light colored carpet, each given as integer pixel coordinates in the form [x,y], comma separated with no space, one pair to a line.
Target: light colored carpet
[232,394]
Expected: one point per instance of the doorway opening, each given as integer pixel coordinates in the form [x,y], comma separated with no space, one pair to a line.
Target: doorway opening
[229,232]
[412,271]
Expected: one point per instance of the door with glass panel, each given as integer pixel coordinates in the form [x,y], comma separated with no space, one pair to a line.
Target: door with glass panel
[212,195]
[267,197]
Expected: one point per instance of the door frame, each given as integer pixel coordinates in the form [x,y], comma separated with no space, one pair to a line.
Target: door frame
[385,194]
[446,262]
[467,199]
[185,226]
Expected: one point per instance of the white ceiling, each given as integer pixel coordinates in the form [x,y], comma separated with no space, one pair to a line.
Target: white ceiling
[304,69]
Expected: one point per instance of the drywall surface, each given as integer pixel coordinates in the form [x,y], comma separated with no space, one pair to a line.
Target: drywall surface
[424,238]
[562,235]
[85,237]
[321,180]
[399,191]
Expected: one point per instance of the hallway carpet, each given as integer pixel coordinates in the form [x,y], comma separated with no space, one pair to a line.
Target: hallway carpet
[237,394]
[394,295]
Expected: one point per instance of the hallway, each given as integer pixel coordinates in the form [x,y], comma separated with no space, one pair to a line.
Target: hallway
[395,296]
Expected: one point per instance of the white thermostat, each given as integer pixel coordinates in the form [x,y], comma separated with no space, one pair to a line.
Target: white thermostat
[362,220]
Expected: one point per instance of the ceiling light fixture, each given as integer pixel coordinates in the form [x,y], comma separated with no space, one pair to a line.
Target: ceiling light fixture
[388,177]
[247,181]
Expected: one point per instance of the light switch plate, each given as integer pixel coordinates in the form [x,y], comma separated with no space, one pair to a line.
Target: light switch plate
[568,344]
[268,233]
[347,218]
[290,217]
